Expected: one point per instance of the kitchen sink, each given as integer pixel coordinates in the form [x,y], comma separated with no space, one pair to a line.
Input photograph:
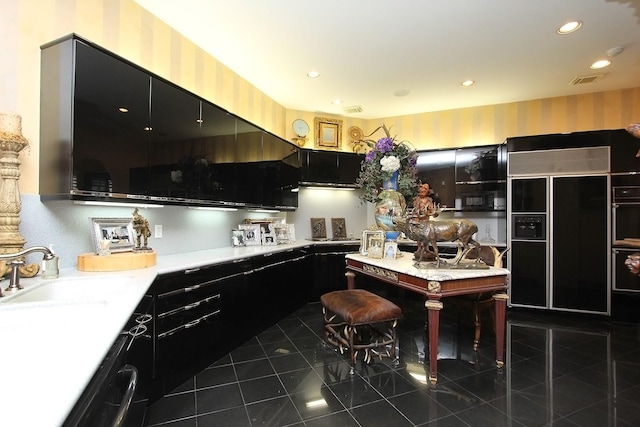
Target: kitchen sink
[71,289]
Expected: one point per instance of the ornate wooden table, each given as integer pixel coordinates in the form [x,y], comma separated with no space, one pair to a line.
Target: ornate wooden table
[435,284]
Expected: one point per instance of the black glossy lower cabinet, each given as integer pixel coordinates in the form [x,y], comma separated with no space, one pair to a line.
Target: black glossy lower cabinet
[329,268]
[202,314]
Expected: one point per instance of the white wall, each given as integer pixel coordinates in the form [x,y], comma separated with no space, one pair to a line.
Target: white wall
[325,203]
[68,227]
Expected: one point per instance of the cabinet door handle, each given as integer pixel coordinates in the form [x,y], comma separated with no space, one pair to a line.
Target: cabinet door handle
[191,270]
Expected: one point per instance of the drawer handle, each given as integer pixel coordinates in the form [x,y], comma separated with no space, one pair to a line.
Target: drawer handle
[191,270]
[192,305]
[192,288]
[192,323]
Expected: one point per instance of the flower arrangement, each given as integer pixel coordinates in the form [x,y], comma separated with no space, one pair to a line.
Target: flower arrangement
[385,157]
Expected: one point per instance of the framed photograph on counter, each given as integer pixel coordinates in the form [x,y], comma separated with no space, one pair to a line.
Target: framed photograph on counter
[118,232]
[372,239]
[390,250]
[252,235]
[237,238]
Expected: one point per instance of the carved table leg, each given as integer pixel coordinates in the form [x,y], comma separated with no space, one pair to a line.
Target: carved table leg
[351,279]
[433,322]
[501,303]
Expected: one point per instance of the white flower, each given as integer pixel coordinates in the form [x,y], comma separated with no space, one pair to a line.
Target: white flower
[390,163]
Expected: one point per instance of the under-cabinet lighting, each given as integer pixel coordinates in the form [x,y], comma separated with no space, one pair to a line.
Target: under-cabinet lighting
[207,208]
[116,204]
[264,210]
[320,187]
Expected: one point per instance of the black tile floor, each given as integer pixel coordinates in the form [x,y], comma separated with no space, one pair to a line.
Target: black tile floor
[561,370]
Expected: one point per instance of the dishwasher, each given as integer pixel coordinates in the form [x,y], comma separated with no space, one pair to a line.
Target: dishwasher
[112,398]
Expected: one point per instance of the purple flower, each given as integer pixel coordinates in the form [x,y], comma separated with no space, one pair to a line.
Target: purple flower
[384,145]
[413,161]
[369,157]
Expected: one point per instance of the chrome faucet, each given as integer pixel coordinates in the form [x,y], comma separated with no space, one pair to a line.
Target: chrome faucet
[16,260]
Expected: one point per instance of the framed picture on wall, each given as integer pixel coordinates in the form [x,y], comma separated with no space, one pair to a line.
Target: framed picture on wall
[328,132]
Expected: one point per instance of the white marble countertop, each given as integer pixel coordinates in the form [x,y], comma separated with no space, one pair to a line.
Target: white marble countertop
[405,264]
[50,350]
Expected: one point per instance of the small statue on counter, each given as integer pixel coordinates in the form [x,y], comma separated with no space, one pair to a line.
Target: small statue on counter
[143,232]
[423,209]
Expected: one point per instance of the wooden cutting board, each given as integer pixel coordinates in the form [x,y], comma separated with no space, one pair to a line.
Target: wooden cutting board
[116,262]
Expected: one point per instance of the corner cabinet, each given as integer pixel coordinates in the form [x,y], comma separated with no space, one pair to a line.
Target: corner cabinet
[111,130]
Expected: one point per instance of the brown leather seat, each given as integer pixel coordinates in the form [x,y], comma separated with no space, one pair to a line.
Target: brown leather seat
[357,319]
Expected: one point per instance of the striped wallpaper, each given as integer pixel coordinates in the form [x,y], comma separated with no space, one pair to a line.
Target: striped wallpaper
[128,30]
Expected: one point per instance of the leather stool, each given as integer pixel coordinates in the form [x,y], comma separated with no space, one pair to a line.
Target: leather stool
[356,319]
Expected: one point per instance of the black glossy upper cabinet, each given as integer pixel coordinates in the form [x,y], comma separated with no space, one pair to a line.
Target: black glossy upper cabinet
[94,112]
[217,145]
[480,164]
[176,164]
[248,164]
[329,168]
[111,113]
[111,130]
[437,168]
[280,172]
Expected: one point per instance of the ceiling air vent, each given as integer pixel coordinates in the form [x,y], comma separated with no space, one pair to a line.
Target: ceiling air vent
[353,109]
[586,79]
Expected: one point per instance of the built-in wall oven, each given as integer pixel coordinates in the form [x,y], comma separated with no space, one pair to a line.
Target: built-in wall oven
[626,231]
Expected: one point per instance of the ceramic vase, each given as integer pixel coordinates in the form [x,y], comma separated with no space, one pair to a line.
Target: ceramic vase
[390,204]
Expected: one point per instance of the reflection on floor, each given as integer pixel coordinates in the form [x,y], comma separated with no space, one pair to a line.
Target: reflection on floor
[561,370]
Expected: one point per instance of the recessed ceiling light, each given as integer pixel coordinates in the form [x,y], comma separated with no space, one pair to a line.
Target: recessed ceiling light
[123,110]
[467,83]
[402,92]
[569,27]
[313,74]
[600,64]
[336,102]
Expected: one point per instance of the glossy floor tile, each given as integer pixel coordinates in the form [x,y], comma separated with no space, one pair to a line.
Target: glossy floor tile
[561,370]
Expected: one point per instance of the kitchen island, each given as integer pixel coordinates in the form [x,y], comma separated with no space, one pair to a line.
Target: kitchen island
[435,284]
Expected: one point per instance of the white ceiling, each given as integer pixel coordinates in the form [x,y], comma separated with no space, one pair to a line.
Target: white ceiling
[369,51]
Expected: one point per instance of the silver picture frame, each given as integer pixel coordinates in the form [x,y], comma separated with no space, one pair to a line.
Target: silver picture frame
[118,232]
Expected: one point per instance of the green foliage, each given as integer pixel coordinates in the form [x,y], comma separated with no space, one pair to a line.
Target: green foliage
[371,171]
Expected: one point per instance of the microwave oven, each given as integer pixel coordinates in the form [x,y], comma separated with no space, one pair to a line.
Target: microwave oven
[529,227]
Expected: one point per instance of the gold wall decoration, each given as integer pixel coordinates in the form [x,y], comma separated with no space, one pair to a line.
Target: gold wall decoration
[328,133]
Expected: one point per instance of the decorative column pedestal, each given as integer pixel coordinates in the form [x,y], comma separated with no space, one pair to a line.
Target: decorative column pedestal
[11,143]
